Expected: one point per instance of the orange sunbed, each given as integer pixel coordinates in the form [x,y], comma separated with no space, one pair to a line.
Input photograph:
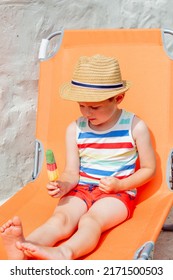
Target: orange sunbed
[145,61]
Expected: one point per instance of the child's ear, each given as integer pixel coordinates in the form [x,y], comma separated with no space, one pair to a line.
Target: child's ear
[119,98]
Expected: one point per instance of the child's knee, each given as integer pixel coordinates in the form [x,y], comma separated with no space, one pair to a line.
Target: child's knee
[63,222]
[91,221]
[60,218]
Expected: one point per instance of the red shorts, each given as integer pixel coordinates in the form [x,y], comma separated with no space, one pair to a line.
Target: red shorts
[90,194]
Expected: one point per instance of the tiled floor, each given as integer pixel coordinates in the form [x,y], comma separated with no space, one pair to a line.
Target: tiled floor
[164,245]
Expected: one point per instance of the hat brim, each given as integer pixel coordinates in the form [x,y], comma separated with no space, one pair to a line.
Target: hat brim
[70,92]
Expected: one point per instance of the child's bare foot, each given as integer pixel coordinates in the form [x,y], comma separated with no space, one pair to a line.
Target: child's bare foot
[11,232]
[45,253]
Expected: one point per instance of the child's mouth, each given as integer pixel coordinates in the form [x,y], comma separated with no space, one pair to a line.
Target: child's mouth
[92,119]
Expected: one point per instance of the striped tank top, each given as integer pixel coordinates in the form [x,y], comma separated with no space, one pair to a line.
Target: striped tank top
[106,153]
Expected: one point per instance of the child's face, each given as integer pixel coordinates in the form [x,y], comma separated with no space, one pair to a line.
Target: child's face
[99,113]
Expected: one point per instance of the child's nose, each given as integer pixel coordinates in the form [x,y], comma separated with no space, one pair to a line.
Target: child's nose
[88,112]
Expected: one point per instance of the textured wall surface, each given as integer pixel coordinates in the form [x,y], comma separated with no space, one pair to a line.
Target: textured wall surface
[22,26]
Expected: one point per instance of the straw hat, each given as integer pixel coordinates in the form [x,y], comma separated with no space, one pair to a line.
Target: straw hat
[95,79]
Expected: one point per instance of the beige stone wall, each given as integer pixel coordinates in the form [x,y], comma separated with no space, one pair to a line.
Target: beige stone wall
[23,23]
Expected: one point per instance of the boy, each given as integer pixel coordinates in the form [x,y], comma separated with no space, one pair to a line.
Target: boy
[99,184]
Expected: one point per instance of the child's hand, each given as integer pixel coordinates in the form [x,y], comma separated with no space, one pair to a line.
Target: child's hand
[54,189]
[109,185]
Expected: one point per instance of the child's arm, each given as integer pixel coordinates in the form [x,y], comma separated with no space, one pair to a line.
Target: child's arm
[147,162]
[70,176]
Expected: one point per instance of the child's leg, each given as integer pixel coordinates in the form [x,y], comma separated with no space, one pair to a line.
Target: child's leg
[59,226]
[104,214]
